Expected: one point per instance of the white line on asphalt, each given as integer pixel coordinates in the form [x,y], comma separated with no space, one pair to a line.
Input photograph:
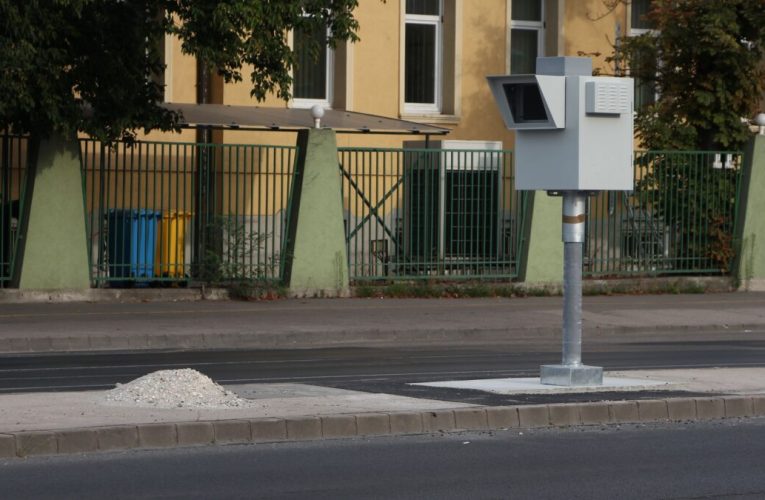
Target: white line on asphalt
[261,362]
[160,365]
[493,372]
[55,388]
[384,376]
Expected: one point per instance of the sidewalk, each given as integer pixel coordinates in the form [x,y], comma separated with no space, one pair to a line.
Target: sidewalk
[294,323]
[73,423]
[78,422]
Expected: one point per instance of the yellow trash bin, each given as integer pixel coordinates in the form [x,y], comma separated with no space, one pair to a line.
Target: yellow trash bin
[170,258]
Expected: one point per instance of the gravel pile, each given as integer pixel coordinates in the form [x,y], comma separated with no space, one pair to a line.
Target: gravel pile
[184,388]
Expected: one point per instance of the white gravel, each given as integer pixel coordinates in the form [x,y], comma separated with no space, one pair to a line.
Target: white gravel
[185,388]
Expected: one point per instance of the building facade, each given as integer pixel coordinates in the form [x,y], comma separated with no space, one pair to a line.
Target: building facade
[426,61]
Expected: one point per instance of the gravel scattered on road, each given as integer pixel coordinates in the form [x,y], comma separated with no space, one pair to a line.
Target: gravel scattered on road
[184,388]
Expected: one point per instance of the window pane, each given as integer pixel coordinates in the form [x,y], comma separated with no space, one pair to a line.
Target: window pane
[523,51]
[526,10]
[645,90]
[639,9]
[420,66]
[310,76]
[645,94]
[423,7]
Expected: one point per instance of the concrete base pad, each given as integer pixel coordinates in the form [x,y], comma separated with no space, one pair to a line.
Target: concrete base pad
[535,386]
[567,375]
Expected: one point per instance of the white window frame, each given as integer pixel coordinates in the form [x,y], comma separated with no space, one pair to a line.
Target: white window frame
[423,108]
[326,102]
[538,26]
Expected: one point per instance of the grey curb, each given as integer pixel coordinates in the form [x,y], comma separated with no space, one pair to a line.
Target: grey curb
[681,409]
[710,408]
[564,415]
[595,413]
[195,433]
[654,410]
[373,424]
[265,430]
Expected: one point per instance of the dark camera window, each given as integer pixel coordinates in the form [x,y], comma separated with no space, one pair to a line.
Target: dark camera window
[525,102]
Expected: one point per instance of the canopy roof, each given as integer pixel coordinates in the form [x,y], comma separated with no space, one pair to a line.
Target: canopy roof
[222,116]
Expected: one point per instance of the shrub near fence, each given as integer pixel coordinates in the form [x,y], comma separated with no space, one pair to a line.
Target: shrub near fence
[680,218]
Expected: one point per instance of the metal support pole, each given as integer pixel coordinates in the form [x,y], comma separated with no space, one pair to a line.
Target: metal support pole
[572,304]
[573,239]
[571,371]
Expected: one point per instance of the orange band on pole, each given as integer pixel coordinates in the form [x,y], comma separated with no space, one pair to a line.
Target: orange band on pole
[573,219]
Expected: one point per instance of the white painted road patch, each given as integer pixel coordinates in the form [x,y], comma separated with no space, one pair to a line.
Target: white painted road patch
[534,386]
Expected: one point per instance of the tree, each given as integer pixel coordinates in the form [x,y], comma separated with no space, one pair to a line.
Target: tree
[705,59]
[91,65]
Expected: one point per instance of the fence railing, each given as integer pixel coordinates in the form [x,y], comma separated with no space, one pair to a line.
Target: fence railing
[13,162]
[178,212]
[182,212]
[425,213]
[680,218]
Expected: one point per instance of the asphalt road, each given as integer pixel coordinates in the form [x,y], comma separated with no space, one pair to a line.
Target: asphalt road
[370,369]
[710,460]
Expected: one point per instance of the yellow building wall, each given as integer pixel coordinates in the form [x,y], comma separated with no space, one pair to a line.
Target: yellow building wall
[376,59]
[587,27]
[590,29]
[373,84]
[484,42]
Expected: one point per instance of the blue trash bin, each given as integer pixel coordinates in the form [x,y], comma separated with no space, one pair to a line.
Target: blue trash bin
[132,239]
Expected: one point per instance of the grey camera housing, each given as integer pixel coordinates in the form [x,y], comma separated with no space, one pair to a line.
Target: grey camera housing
[574,131]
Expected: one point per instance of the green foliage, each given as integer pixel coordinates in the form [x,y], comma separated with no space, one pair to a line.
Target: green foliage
[709,73]
[93,65]
[230,34]
[695,201]
[704,58]
[230,257]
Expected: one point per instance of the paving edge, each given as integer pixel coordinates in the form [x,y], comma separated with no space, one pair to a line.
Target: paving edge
[272,430]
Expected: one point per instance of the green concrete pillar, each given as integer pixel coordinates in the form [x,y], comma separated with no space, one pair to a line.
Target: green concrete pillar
[542,258]
[52,251]
[316,261]
[750,230]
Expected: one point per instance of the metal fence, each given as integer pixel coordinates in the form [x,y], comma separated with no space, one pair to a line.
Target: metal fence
[680,218]
[13,161]
[425,213]
[182,212]
[178,212]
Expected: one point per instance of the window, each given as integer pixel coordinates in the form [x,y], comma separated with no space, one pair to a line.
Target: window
[645,91]
[526,35]
[312,76]
[423,56]
[638,10]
